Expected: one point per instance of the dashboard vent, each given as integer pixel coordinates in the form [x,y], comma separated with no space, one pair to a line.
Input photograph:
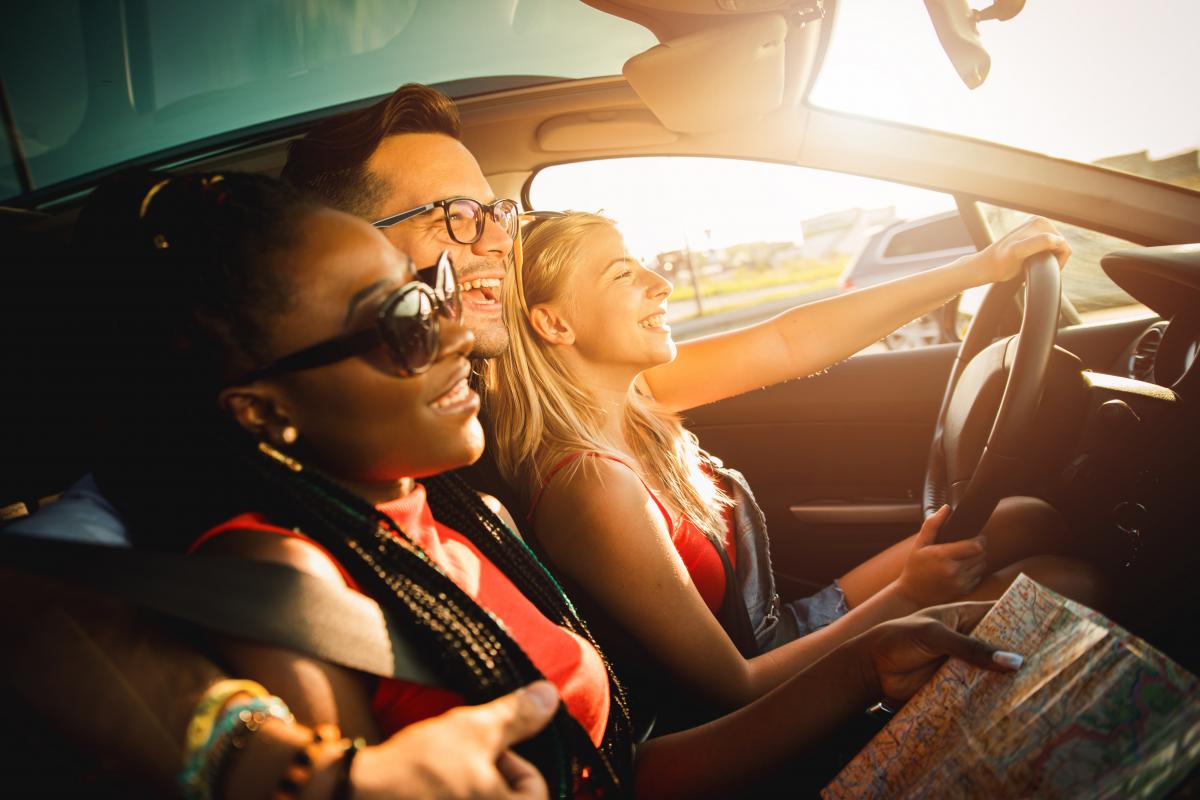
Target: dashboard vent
[1141,363]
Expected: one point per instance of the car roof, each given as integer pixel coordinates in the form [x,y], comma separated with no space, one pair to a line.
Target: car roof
[755,67]
[102,85]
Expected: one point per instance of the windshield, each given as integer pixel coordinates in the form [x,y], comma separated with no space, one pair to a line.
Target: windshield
[1108,83]
[91,84]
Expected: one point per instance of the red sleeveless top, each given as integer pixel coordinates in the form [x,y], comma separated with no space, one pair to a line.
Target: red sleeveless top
[701,559]
[569,661]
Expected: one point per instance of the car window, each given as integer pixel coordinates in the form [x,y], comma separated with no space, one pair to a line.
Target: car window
[9,182]
[136,78]
[1090,290]
[1094,82]
[743,240]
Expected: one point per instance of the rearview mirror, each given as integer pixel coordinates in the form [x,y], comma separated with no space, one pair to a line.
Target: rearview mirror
[957,29]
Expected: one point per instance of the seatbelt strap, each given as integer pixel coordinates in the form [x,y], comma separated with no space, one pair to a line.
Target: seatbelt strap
[258,600]
[732,614]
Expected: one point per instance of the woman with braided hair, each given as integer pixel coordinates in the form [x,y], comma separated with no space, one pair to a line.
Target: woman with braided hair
[278,385]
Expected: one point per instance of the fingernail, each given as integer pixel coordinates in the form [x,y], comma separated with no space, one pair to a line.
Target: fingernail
[1008,660]
[543,695]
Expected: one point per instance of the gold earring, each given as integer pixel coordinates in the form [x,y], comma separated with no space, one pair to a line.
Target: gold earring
[289,434]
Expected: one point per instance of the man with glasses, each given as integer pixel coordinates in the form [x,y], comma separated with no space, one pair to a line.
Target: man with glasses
[400,165]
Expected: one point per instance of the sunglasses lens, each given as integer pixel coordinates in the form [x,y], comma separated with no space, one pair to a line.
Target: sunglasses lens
[446,289]
[451,307]
[410,329]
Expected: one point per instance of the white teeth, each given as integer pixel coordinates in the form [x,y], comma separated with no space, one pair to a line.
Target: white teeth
[479,283]
[457,394]
[653,322]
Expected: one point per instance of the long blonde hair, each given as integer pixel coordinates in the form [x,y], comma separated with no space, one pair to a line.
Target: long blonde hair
[538,411]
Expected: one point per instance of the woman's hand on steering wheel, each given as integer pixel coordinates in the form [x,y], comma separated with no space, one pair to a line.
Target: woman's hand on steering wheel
[939,573]
[1002,259]
[900,656]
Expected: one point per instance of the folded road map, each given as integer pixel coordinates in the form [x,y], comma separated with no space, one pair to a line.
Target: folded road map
[1094,712]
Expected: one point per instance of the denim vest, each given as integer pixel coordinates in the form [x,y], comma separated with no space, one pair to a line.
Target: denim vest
[753,581]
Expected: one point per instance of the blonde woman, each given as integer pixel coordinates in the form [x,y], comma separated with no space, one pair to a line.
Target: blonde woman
[627,507]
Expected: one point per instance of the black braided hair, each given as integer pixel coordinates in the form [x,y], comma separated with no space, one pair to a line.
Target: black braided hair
[470,649]
[456,504]
[185,287]
[197,283]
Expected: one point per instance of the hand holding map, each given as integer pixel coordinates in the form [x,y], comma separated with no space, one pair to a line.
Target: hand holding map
[1094,712]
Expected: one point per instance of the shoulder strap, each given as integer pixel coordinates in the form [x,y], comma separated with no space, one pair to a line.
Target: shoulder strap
[562,462]
[256,600]
[567,459]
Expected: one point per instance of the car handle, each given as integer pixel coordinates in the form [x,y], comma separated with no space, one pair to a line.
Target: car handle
[852,512]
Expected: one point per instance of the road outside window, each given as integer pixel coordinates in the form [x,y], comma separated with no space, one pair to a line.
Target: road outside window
[743,240]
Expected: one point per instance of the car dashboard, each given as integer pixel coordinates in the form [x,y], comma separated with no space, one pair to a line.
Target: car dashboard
[1117,449]
[1167,280]
[1166,352]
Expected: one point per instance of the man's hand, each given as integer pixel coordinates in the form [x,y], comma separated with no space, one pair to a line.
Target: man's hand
[939,573]
[463,753]
[1002,259]
[901,655]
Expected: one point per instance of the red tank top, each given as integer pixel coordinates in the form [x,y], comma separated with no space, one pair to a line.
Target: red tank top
[564,658]
[699,556]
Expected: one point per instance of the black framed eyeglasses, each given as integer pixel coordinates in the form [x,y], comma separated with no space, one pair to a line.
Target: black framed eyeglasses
[408,325]
[465,218]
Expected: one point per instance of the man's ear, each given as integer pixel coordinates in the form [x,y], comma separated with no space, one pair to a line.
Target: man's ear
[256,410]
[551,325]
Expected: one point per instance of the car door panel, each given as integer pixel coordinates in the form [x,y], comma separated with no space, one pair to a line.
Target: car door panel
[837,460]
[854,437]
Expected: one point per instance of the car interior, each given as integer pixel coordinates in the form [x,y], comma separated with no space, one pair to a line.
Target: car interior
[1098,418]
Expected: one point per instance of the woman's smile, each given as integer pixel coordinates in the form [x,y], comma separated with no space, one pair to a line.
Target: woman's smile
[656,322]
[458,399]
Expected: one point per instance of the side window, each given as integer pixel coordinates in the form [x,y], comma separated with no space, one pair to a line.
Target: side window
[1090,290]
[743,240]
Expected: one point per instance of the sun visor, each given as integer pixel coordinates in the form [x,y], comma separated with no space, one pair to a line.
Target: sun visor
[716,78]
[592,130]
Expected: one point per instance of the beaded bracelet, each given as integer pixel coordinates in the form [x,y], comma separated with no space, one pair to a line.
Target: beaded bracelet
[227,749]
[206,765]
[200,728]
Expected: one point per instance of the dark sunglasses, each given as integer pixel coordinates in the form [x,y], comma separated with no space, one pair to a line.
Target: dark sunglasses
[465,218]
[407,325]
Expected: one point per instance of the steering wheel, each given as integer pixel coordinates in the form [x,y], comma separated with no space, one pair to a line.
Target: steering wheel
[990,401]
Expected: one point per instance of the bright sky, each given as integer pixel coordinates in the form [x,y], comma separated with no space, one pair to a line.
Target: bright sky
[1081,79]
[1106,76]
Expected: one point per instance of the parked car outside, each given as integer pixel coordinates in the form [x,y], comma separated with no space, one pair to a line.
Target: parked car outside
[904,248]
